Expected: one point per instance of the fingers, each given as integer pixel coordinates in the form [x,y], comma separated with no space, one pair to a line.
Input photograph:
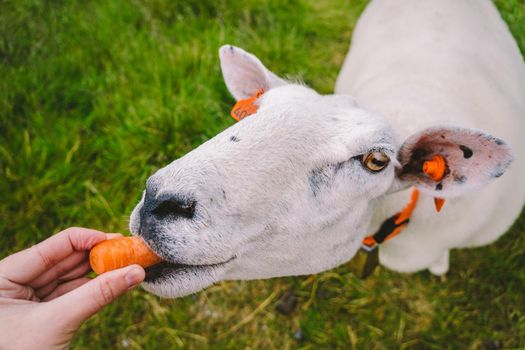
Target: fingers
[65,288]
[63,272]
[12,290]
[43,292]
[60,269]
[23,267]
[68,268]
[83,302]
[79,271]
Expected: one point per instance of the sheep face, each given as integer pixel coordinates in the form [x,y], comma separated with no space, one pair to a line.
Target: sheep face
[283,192]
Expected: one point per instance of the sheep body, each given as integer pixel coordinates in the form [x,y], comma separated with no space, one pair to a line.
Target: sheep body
[423,62]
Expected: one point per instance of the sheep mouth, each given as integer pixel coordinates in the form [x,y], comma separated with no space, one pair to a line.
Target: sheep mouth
[165,270]
[162,271]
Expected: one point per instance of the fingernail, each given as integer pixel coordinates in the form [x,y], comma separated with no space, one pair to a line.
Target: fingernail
[134,277]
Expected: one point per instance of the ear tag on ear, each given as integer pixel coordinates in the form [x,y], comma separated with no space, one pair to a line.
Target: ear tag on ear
[246,107]
[435,169]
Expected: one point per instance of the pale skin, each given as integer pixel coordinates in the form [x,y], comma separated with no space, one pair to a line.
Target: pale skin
[45,295]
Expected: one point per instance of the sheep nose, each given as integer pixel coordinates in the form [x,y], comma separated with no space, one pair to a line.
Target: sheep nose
[156,212]
[174,208]
[168,207]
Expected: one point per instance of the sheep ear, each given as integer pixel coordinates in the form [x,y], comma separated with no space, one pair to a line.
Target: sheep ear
[472,159]
[244,74]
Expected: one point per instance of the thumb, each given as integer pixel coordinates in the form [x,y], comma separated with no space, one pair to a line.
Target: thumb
[85,301]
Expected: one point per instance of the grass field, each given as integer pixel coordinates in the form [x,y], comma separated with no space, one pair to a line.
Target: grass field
[97,95]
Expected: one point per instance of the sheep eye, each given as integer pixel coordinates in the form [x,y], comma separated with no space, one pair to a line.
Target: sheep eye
[375,161]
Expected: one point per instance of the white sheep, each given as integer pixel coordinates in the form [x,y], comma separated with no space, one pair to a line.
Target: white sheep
[294,188]
[425,63]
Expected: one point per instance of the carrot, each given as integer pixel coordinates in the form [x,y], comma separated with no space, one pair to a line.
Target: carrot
[119,252]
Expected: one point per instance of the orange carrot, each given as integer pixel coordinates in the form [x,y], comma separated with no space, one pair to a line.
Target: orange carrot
[119,252]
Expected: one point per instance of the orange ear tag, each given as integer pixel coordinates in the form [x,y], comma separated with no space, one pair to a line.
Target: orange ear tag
[439,203]
[246,107]
[435,169]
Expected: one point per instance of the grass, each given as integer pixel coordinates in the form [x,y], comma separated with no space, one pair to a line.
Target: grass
[97,95]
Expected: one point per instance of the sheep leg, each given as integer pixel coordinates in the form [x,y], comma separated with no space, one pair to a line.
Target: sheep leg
[440,266]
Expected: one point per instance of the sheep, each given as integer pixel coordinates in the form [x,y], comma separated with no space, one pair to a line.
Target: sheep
[294,188]
[442,62]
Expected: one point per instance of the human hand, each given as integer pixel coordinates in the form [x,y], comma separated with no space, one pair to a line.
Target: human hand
[45,296]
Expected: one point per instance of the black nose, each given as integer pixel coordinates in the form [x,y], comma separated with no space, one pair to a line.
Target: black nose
[174,208]
[167,207]
[157,212]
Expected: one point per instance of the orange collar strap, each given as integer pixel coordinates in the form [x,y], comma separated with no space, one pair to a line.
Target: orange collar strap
[391,227]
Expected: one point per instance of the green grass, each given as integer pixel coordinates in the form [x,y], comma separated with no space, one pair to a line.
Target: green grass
[97,95]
